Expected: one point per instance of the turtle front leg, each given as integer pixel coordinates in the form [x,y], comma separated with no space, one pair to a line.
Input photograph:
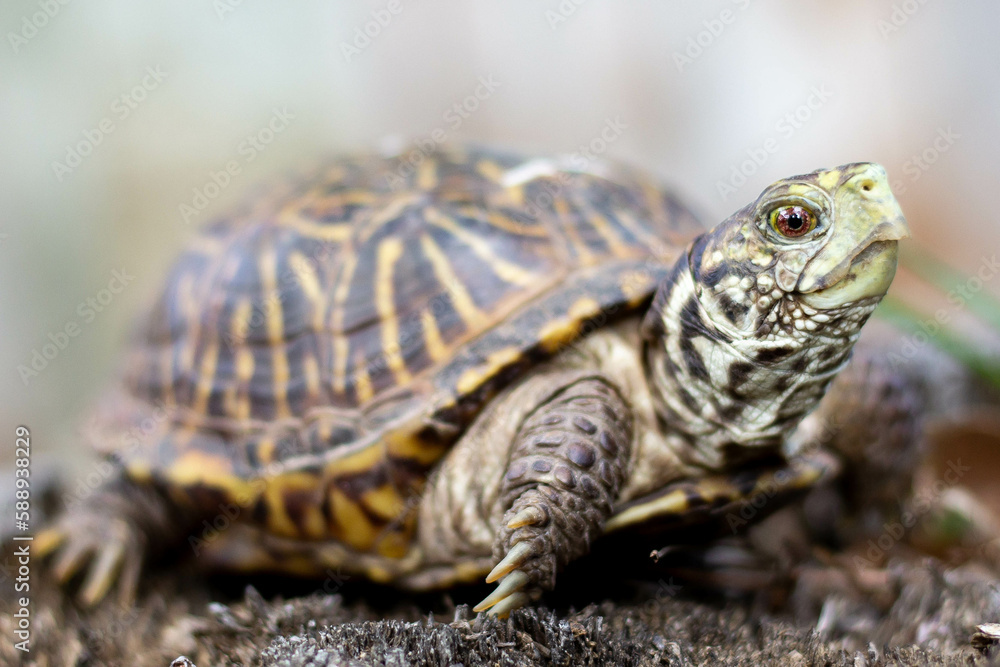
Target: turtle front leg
[108,535]
[566,466]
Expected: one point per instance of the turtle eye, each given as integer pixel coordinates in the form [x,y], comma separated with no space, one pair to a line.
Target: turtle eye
[793,221]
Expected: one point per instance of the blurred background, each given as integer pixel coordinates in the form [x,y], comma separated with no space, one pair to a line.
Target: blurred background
[119,119]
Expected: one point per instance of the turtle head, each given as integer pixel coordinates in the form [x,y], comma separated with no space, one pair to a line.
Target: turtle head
[761,312]
[825,241]
[857,258]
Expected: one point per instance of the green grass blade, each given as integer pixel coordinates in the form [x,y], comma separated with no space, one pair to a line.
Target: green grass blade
[909,320]
[960,288]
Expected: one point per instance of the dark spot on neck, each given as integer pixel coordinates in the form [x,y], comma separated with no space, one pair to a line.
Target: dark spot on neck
[697,250]
[711,277]
[692,359]
[692,325]
[688,400]
[732,411]
[772,354]
[783,382]
[739,372]
[733,310]
[652,325]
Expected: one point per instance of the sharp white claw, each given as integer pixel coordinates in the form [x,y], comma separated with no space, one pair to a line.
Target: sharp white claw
[516,557]
[527,517]
[509,604]
[510,585]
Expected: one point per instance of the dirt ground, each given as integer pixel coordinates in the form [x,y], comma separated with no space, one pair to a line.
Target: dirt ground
[735,604]
[921,614]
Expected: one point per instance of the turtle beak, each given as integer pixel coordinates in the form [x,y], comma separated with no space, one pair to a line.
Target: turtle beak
[859,259]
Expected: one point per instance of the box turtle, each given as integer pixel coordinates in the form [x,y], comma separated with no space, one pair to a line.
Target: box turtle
[428,369]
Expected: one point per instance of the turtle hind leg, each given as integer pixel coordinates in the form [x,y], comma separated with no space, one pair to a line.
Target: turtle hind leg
[106,538]
[566,467]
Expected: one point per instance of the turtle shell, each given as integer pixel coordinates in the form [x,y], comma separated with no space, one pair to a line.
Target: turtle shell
[314,354]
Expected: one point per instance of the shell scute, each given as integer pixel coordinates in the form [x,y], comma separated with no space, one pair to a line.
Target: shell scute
[319,350]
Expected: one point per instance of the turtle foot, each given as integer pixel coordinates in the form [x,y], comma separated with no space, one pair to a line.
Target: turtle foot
[566,467]
[107,549]
[106,539]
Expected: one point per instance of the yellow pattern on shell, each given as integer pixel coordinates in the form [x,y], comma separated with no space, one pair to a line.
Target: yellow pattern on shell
[394,544]
[206,378]
[474,378]
[558,333]
[436,347]
[362,380]
[384,501]
[403,443]
[305,273]
[466,307]
[510,272]
[310,369]
[340,344]
[274,495]
[274,321]
[389,252]
[351,524]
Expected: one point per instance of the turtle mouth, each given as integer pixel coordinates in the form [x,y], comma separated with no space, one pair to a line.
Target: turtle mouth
[869,275]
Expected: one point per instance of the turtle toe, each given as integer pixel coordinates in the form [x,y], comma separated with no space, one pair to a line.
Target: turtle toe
[105,551]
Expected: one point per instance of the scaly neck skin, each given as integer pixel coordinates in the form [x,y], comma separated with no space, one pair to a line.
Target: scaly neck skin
[735,364]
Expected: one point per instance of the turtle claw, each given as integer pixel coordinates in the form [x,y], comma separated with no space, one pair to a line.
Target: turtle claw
[529,516]
[71,559]
[510,593]
[518,555]
[100,547]
[509,604]
[107,562]
[47,541]
[508,588]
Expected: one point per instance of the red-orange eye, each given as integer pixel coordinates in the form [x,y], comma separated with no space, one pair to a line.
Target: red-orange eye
[792,221]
